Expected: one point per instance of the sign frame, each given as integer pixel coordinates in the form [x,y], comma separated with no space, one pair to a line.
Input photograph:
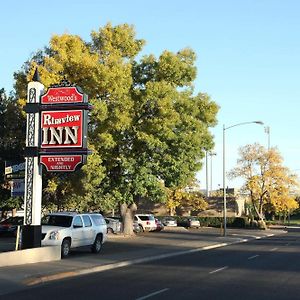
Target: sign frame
[58,100]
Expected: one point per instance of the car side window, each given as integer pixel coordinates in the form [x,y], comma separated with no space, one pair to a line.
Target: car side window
[102,221]
[77,222]
[135,218]
[87,221]
[98,220]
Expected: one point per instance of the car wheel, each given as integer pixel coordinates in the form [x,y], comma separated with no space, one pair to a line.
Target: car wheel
[65,248]
[97,244]
[141,228]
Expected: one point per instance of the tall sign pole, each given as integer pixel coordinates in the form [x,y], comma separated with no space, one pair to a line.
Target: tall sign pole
[31,236]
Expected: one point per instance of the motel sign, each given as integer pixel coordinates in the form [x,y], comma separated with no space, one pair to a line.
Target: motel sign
[63,135]
[61,129]
[56,137]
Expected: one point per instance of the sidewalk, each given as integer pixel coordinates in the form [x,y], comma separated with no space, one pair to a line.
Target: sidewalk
[120,251]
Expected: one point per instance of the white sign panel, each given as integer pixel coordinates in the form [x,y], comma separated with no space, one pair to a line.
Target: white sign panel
[17,187]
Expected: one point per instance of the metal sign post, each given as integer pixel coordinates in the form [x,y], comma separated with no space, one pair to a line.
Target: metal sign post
[31,233]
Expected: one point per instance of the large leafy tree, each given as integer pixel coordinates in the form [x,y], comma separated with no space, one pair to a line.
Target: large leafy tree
[267,182]
[148,130]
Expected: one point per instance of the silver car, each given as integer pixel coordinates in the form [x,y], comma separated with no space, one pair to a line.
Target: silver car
[169,221]
[113,225]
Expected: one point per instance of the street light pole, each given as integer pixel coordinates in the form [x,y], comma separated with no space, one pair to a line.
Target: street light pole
[267,131]
[224,186]
[211,176]
[206,165]
[224,172]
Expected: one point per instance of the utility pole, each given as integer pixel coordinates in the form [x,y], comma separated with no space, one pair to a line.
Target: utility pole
[206,165]
[267,131]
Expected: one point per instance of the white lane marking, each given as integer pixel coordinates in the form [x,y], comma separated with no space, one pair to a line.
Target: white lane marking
[254,256]
[274,249]
[214,246]
[218,270]
[247,235]
[152,294]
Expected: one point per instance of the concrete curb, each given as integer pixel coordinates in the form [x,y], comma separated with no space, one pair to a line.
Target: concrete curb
[102,268]
[29,256]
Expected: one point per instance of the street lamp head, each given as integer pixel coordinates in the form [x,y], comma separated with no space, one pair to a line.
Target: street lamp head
[259,122]
[243,123]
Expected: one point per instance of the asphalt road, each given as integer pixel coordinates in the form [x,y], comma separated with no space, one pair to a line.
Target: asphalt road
[260,269]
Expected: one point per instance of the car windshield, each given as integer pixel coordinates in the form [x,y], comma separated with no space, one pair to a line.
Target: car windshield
[54,220]
[146,218]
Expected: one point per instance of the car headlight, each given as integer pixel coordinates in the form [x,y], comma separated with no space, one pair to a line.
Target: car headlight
[54,235]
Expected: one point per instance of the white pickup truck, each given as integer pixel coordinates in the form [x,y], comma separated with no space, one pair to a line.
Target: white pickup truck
[71,230]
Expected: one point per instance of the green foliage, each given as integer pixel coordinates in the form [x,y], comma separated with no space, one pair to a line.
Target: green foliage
[12,132]
[11,203]
[148,131]
[233,222]
[12,129]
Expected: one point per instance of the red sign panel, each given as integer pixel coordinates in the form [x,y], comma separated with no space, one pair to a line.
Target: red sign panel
[61,163]
[62,95]
[62,129]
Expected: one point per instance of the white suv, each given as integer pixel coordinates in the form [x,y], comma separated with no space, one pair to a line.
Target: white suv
[145,221]
[71,230]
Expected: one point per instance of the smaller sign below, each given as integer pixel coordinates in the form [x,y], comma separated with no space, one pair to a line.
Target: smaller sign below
[61,163]
[17,187]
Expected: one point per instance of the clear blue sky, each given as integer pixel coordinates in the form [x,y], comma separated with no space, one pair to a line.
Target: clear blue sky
[248,56]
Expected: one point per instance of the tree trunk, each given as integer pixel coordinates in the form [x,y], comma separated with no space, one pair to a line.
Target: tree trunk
[284,217]
[261,221]
[127,213]
[172,209]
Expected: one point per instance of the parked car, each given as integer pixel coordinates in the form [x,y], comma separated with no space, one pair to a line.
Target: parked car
[70,230]
[190,222]
[113,225]
[136,227]
[159,225]
[145,221]
[169,221]
[10,225]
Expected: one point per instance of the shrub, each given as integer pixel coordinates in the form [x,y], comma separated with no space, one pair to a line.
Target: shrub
[235,222]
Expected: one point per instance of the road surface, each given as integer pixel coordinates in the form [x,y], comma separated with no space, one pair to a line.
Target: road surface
[259,269]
